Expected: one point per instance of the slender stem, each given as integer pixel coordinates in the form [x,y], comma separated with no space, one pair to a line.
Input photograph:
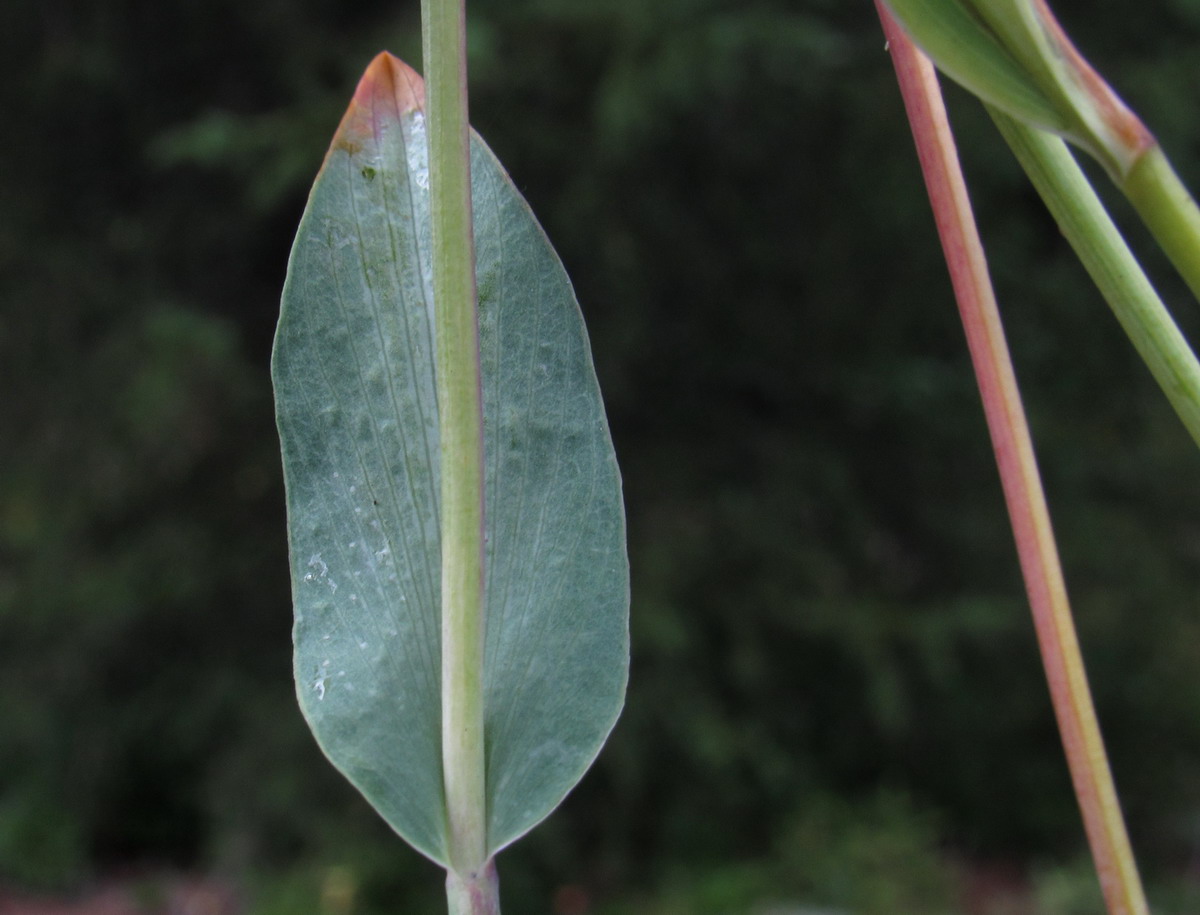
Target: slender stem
[460,425]
[1018,473]
[1103,252]
[1168,210]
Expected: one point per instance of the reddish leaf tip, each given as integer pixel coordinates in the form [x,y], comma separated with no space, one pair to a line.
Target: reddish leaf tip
[390,78]
[388,90]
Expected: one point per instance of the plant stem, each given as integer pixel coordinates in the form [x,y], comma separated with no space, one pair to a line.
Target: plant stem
[473,894]
[1168,210]
[1018,473]
[460,425]
[1103,252]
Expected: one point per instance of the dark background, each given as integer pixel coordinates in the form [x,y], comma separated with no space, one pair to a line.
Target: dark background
[835,692]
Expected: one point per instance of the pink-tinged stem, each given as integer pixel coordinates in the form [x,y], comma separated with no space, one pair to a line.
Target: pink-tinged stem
[474,893]
[1019,476]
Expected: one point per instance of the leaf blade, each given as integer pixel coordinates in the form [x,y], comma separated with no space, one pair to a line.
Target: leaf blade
[555,680]
[965,47]
[362,495]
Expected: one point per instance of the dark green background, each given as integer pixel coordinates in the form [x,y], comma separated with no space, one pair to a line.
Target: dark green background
[834,673]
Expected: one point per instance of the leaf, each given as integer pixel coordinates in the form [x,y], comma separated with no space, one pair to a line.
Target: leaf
[353,367]
[1014,55]
[964,46]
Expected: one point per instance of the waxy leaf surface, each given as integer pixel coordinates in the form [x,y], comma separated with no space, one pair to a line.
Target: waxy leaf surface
[354,372]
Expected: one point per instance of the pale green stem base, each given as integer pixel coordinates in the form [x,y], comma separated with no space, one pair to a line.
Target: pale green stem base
[474,894]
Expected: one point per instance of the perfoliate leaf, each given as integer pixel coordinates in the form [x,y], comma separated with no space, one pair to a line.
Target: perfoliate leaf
[354,371]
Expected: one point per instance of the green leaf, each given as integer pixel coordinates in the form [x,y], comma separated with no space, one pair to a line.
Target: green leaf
[354,366]
[1014,55]
[966,48]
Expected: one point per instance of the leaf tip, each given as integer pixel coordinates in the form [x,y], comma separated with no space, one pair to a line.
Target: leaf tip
[389,79]
[389,90]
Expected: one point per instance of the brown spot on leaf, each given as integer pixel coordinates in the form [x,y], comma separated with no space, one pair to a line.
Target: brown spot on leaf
[388,90]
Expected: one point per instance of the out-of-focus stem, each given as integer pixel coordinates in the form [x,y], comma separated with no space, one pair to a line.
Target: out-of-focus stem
[1018,473]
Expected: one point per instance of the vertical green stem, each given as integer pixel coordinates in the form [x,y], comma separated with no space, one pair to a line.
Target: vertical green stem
[460,423]
[1019,476]
[1086,225]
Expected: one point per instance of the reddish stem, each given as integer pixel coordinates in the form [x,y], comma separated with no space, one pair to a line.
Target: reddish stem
[1022,486]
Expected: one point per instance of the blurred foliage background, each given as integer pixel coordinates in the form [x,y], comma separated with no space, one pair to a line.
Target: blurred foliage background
[835,698]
